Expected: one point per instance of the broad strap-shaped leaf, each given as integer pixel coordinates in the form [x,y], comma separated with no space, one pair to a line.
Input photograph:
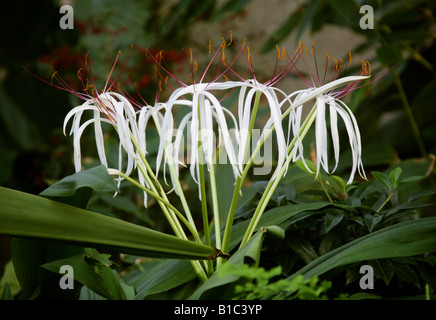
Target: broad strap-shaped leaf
[26,215]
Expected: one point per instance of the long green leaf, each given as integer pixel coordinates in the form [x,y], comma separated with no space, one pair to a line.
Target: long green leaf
[407,238]
[26,215]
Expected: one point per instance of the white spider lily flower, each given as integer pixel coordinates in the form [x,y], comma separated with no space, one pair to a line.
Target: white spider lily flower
[324,94]
[244,115]
[111,108]
[293,106]
[205,109]
[327,96]
[206,112]
[336,107]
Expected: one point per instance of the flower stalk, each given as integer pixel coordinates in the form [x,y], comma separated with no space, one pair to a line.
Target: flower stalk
[273,183]
[240,179]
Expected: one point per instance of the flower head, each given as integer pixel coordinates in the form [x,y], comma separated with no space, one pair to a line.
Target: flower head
[206,114]
[107,107]
[327,94]
[205,111]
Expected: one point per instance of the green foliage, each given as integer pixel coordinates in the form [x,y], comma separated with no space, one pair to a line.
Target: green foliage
[310,237]
[260,284]
[9,285]
[361,227]
[315,233]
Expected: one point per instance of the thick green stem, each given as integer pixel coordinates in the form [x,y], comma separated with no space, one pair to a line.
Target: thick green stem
[177,185]
[170,215]
[273,183]
[215,207]
[154,184]
[204,213]
[240,179]
[203,196]
[231,215]
[182,198]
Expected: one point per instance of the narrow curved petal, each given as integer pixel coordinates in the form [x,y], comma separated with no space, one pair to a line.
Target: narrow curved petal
[99,140]
[334,132]
[321,136]
[76,141]
[355,141]
[223,129]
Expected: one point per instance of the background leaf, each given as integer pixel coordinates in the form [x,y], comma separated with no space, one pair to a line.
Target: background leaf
[383,179]
[303,249]
[96,178]
[394,176]
[96,276]
[161,276]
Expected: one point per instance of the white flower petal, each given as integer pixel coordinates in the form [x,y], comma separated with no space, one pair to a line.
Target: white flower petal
[334,131]
[315,92]
[76,141]
[354,137]
[224,130]
[99,141]
[321,136]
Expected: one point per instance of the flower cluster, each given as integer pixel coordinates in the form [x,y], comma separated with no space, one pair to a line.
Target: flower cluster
[207,115]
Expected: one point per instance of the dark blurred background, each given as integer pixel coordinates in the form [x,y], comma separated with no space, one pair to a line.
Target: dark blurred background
[396,114]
